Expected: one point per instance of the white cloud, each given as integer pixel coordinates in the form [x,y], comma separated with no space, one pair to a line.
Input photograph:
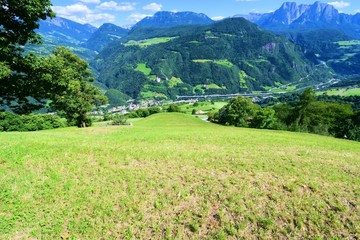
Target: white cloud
[94,19]
[136,17]
[82,14]
[91,1]
[116,7]
[340,4]
[217,18]
[154,7]
[77,8]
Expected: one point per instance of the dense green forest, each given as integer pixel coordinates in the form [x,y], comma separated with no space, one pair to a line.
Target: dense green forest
[333,47]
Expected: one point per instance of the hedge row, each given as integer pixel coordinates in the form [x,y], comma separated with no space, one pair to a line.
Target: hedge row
[33,122]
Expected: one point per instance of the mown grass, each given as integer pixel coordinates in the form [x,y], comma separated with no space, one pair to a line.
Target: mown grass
[175,176]
[203,106]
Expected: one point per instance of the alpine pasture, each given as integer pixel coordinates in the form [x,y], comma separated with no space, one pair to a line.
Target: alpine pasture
[173,176]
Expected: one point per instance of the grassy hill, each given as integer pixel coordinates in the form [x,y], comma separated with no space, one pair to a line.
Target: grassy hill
[175,176]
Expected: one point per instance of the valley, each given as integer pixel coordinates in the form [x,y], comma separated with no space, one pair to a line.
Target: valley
[207,58]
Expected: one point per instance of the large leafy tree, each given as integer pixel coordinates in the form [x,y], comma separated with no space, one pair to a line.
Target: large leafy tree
[18,20]
[239,112]
[30,81]
[65,79]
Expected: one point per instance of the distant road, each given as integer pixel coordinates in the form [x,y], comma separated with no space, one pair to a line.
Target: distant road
[317,86]
[262,94]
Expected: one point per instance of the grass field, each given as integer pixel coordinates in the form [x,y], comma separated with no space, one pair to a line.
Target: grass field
[149,42]
[223,62]
[346,92]
[203,106]
[175,176]
[142,68]
[348,44]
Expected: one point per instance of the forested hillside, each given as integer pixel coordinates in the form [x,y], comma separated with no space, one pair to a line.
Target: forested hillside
[333,47]
[230,56]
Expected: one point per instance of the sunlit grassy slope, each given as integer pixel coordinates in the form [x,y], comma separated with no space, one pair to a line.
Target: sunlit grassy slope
[175,176]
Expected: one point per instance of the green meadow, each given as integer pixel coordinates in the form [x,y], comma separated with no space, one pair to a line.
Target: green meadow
[149,42]
[173,176]
[346,92]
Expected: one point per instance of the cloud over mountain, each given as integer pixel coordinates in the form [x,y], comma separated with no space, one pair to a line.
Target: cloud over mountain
[154,7]
[340,4]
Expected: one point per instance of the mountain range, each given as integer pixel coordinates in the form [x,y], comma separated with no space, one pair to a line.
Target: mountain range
[307,16]
[188,53]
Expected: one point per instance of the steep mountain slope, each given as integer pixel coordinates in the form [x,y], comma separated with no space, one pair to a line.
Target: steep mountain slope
[319,15]
[104,35]
[170,19]
[319,45]
[285,15]
[230,56]
[65,30]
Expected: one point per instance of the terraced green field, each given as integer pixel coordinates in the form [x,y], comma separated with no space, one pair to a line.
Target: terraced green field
[175,176]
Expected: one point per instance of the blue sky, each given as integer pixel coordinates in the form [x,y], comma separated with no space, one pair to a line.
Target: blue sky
[128,12]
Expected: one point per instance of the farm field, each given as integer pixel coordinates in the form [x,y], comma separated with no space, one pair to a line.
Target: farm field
[174,176]
[202,106]
[148,42]
[346,92]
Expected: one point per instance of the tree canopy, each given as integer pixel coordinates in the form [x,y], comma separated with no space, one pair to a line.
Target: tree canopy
[238,112]
[18,21]
[29,82]
[65,78]
[306,114]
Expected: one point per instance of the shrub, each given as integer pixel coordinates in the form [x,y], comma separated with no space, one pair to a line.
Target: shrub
[132,115]
[33,122]
[119,120]
[173,108]
[153,110]
[143,112]
[107,117]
